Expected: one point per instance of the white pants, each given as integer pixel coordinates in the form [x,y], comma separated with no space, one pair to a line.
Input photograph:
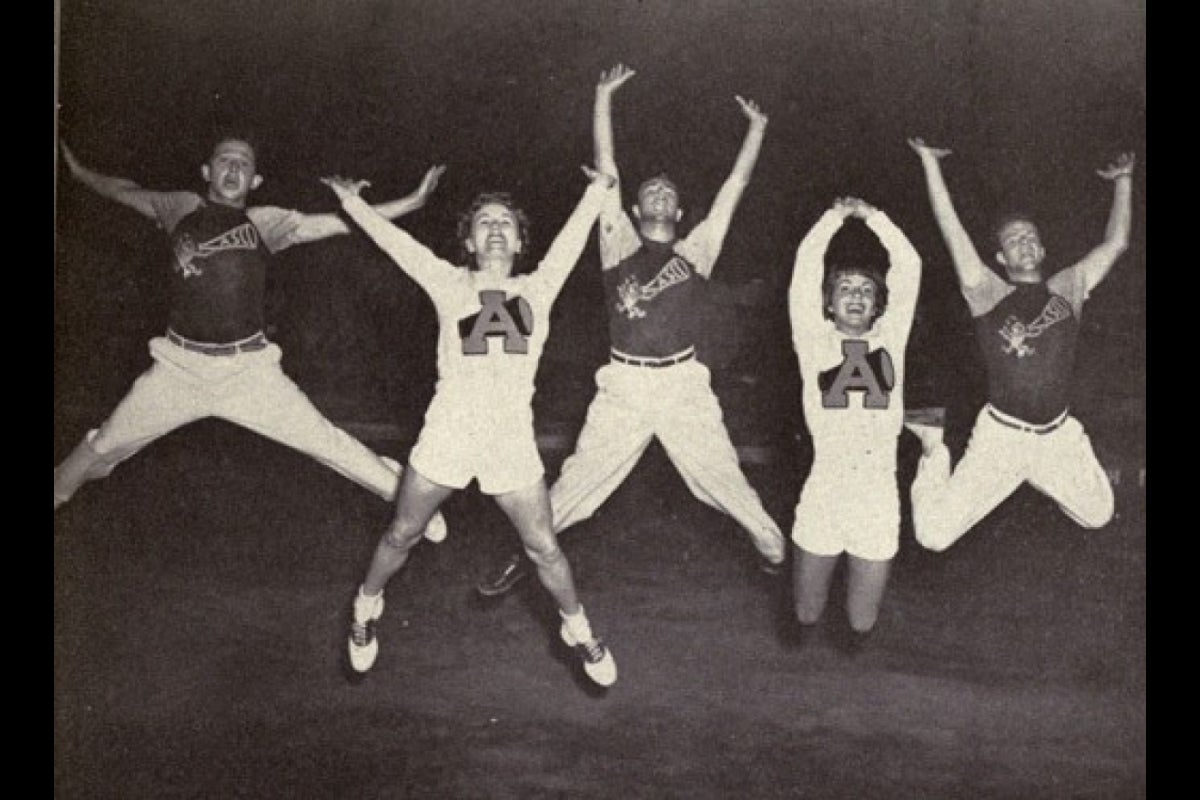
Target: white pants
[675,403]
[1060,464]
[249,389]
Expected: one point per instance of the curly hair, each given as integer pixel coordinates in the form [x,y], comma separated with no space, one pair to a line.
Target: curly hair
[467,219]
[836,273]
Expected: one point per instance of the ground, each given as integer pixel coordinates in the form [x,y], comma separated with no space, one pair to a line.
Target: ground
[201,596]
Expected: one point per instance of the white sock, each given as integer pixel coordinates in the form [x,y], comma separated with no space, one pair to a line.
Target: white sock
[577,624]
[365,605]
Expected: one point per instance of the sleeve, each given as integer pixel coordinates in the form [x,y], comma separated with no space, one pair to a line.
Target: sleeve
[904,274]
[1072,284]
[414,259]
[617,236]
[280,228]
[565,250]
[701,248]
[983,296]
[806,300]
[171,207]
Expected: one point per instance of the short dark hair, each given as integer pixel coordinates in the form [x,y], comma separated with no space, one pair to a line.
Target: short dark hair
[467,218]
[230,133]
[1008,219]
[836,272]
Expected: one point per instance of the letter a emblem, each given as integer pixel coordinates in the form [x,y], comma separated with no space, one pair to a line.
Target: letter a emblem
[512,320]
[860,372]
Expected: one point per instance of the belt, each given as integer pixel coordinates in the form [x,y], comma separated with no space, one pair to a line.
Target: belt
[248,345]
[635,361]
[1013,422]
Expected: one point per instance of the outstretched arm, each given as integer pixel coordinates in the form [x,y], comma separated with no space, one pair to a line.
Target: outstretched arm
[602,131]
[314,227]
[726,202]
[564,251]
[967,264]
[122,190]
[806,300]
[1096,264]
[414,258]
[904,272]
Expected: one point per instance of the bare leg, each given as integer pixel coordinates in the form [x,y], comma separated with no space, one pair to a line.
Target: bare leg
[866,582]
[529,511]
[811,577]
[416,501]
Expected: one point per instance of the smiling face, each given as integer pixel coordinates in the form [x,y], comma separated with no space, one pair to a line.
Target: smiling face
[231,173]
[1021,251]
[658,201]
[853,302]
[494,234]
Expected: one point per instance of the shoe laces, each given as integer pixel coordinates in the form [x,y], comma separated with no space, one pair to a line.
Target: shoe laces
[594,650]
[361,633]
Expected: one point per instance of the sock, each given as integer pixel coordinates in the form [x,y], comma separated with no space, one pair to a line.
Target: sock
[365,605]
[577,625]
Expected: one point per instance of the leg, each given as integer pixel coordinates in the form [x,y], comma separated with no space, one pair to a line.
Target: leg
[866,582]
[693,433]
[945,506]
[1066,469]
[268,402]
[811,576]
[162,399]
[529,511]
[416,502]
[612,439]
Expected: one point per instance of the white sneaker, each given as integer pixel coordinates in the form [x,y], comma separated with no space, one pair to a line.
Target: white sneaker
[598,661]
[363,644]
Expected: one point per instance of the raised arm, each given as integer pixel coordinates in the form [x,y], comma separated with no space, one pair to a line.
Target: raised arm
[1096,264]
[122,190]
[904,272]
[602,130]
[806,300]
[726,202]
[970,268]
[414,258]
[314,227]
[564,251]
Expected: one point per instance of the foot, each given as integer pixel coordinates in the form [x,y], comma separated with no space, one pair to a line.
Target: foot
[508,576]
[598,661]
[363,644]
[928,425]
[435,529]
[771,568]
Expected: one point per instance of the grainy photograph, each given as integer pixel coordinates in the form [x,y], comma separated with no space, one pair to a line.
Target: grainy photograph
[609,399]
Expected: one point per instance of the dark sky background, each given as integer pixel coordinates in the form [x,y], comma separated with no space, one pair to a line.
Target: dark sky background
[1032,97]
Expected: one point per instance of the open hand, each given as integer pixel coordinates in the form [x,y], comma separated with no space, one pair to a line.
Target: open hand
[345,187]
[612,80]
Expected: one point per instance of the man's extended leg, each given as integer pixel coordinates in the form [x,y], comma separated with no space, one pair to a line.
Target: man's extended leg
[946,505]
[1065,467]
[692,430]
[163,398]
[268,402]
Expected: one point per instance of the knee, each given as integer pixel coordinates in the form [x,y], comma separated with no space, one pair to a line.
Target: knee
[863,622]
[808,614]
[545,556]
[403,533]
[1100,516]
